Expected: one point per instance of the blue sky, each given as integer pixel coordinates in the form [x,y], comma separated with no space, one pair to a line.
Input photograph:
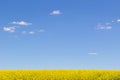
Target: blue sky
[59,34]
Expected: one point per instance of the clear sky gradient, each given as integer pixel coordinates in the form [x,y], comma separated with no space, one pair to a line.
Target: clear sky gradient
[60,34]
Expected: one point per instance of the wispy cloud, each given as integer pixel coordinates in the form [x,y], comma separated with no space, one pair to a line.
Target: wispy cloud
[31,32]
[103,26]
[118,20]
[22,23]
[9,29]
[24,32]
[92,53]
[55,12]
[108,26]
[27,32]
[41,30]
[17,27]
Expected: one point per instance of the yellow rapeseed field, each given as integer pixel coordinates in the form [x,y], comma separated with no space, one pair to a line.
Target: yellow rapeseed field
[59,75]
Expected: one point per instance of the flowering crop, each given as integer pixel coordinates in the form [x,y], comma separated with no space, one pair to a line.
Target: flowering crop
[59,75]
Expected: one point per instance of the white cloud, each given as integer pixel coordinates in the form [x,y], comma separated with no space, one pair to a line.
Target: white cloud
[24,32]
[22,23]
[41,30]
[56,12]
[113,21]
[104,27]
[118,20]
[92,53]
[108,27]
[31,32]
[9,29]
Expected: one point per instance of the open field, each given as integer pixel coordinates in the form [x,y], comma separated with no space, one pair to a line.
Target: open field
[59,75]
